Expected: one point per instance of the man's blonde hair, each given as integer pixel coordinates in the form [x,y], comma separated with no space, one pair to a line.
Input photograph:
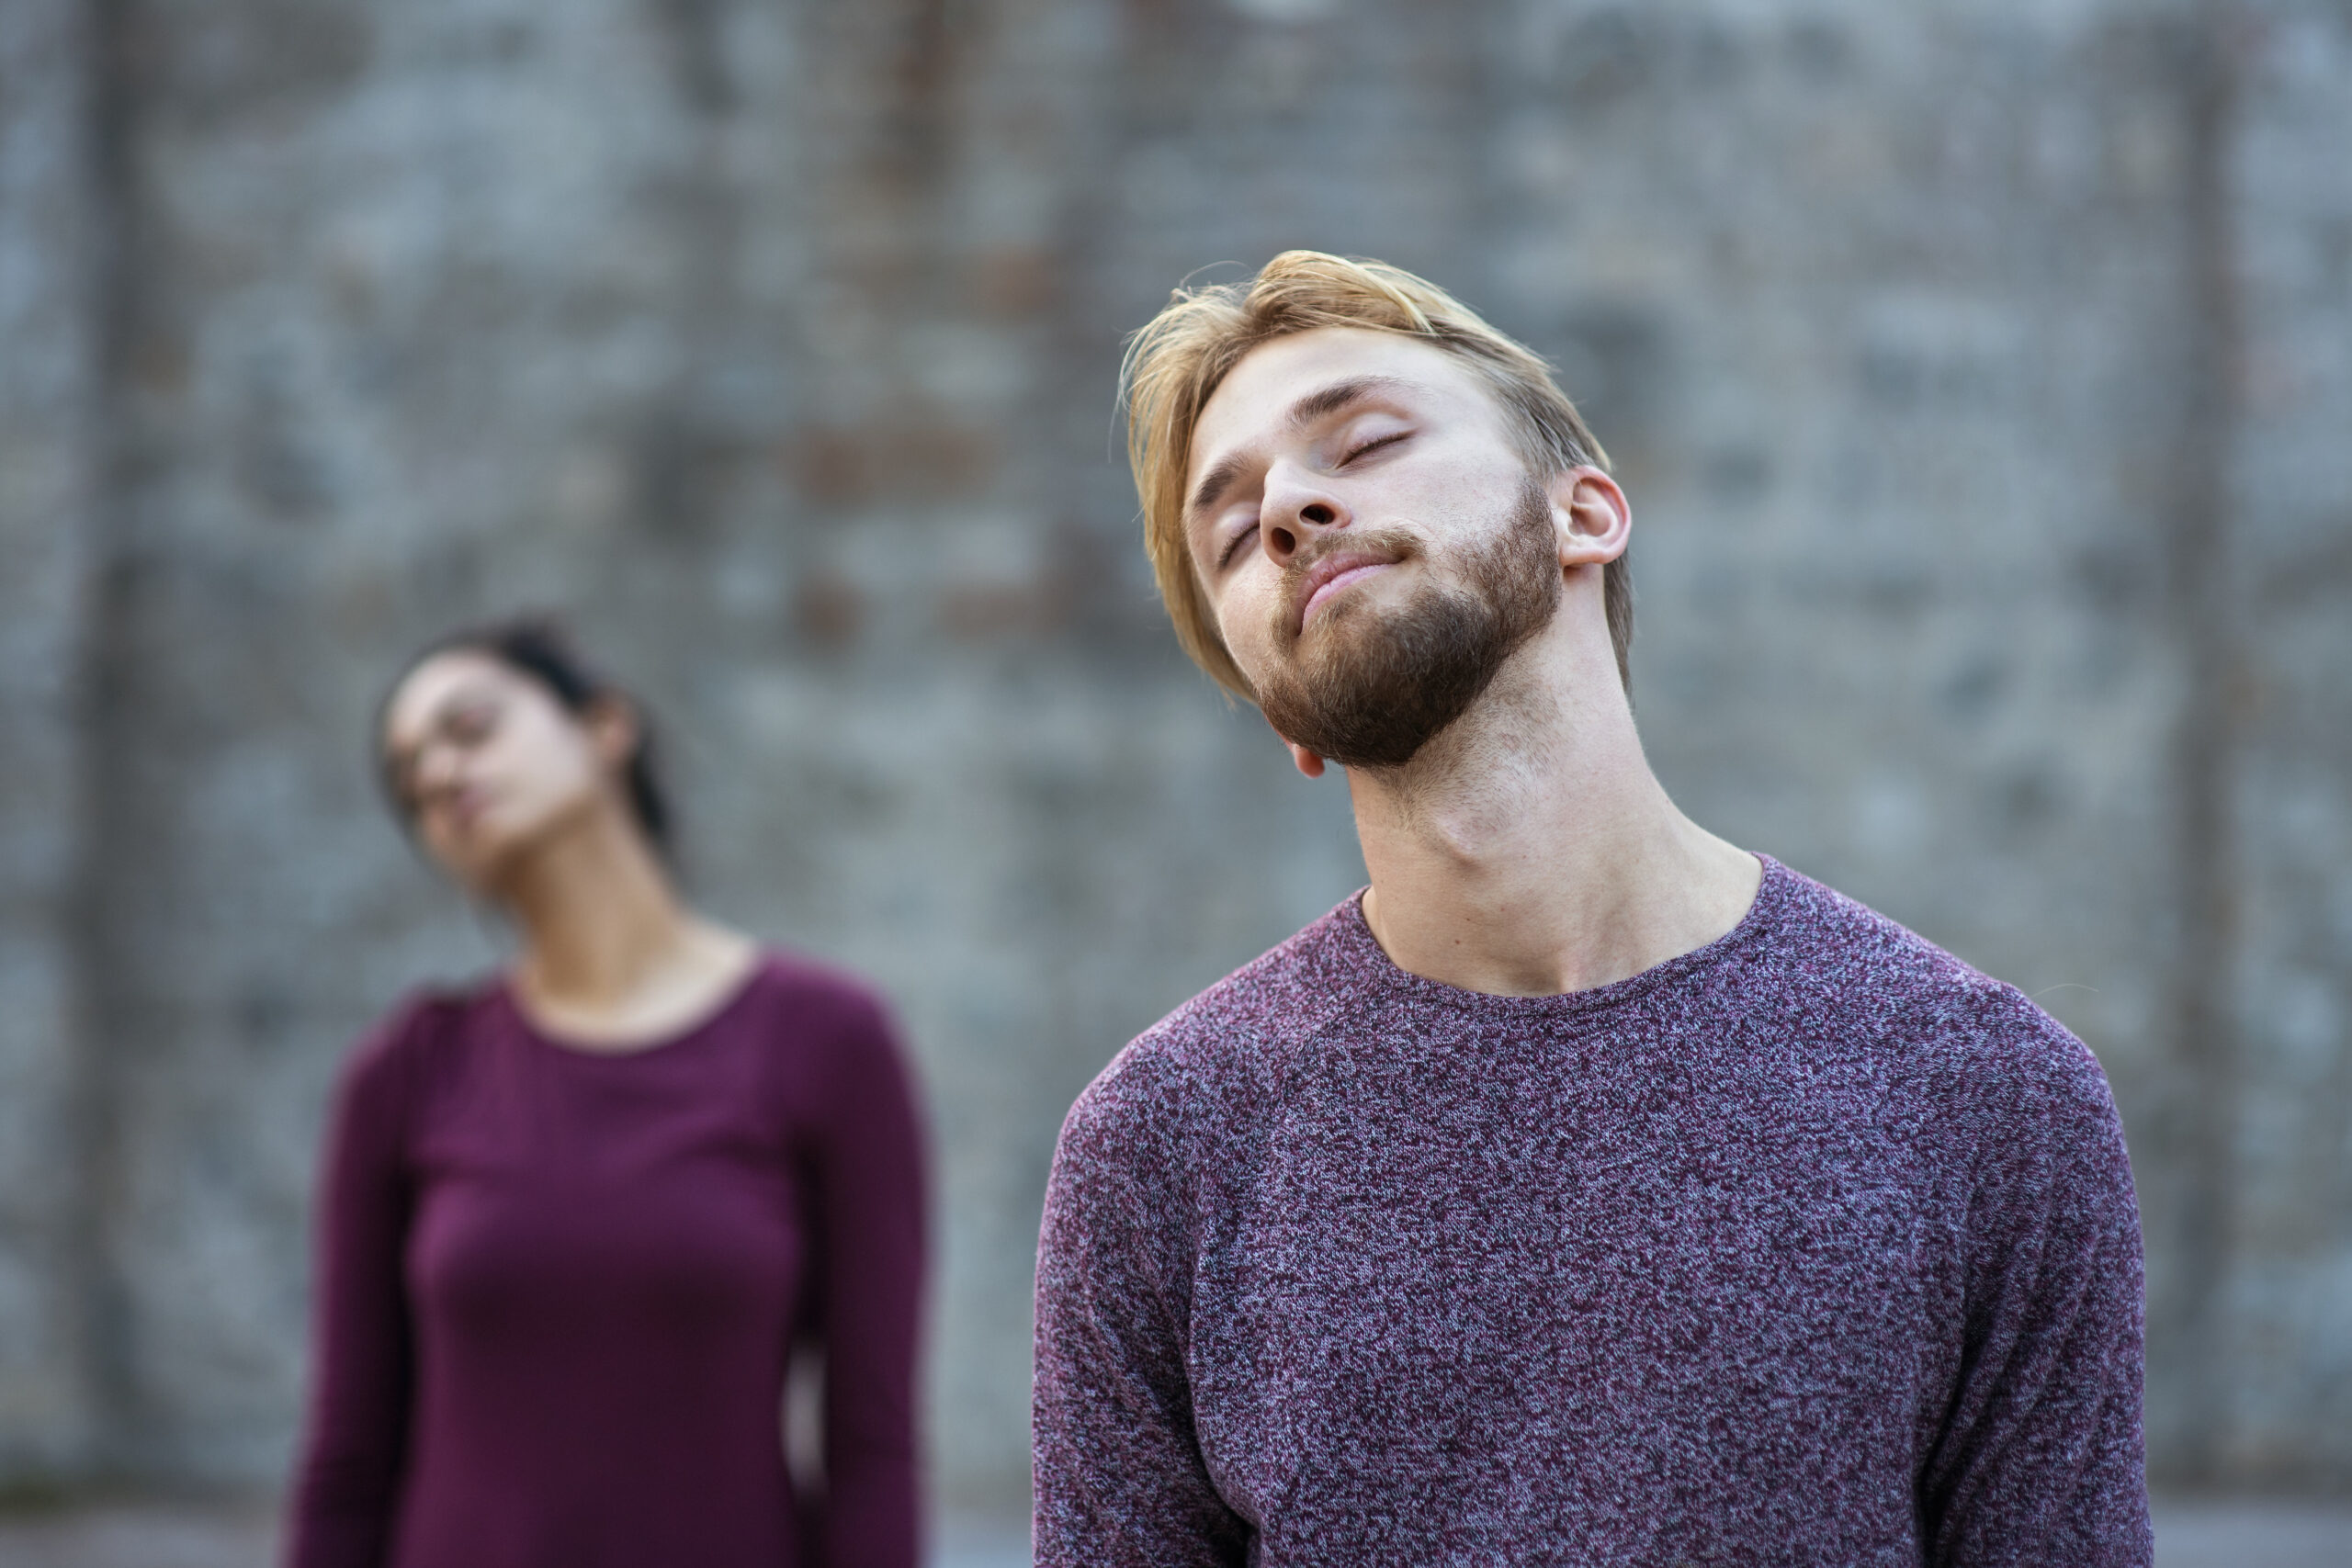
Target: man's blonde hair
[1176,364]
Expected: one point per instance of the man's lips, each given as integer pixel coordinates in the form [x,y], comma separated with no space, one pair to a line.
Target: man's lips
[1327,577]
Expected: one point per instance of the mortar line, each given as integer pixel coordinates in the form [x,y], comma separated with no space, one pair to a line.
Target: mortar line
[105,1345]
[2200,603]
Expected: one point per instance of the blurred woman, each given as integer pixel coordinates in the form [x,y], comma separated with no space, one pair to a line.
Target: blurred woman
[576,1218]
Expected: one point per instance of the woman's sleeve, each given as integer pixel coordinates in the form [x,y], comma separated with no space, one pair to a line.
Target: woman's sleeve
[348,1484]
[870,1203]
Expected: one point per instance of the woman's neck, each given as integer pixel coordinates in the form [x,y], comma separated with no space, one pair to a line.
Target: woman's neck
[610,954]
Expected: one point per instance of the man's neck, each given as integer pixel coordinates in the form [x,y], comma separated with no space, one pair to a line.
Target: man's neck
[1529,850]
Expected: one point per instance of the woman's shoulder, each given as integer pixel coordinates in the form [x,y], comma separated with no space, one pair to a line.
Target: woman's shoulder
[819,1015]
[786,985]
[419,1029]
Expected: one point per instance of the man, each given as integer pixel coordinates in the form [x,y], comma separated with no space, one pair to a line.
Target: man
[1586,1190]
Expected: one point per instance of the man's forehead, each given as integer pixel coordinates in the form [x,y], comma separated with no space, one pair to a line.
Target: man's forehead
[1261,390]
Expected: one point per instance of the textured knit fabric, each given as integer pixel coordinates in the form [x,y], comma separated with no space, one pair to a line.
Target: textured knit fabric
[558,1289]
[1810,1247]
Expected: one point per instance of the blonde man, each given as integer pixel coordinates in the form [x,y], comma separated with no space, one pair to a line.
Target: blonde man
[1587,1189]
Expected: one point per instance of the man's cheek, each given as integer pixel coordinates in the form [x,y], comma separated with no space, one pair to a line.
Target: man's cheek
[1241,642]
[1247,636]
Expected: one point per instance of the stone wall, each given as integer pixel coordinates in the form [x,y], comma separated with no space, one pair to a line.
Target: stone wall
[2280,1309]
[50,460]
[1979,372]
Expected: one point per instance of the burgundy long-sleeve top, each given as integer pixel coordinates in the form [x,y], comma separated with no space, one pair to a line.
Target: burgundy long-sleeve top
[560,1289]
[1812,1246]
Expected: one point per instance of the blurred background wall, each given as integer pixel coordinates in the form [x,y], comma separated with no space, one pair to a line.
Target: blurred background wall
[1982,375]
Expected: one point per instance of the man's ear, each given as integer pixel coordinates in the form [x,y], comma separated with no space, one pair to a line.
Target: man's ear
[1305,760]
[1589,514]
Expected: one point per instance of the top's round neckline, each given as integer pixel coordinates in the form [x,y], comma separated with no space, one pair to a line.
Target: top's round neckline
[730,1001]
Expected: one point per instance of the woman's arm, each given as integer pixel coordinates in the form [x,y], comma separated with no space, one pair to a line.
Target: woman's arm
[348,1485]
[870,1205]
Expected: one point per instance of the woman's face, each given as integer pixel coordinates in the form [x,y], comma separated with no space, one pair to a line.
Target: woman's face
[488,763]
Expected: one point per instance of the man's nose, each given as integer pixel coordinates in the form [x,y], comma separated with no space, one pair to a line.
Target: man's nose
[1296,510]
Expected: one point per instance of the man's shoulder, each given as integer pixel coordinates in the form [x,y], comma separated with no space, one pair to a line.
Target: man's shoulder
[1230,1045]
[1854,973]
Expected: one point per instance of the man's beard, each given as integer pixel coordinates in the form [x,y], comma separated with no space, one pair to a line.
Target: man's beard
[1375,699]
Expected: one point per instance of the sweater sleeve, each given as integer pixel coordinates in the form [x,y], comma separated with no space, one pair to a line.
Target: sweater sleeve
[1118,1473]
[871,1199]
[347,1487]
[2042,1458]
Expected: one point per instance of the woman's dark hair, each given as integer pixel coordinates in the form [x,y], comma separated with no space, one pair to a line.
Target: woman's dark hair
[539,647]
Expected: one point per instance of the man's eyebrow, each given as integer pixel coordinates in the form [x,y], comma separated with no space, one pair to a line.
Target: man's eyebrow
[1317,404]
[1329,400]
[1215,482]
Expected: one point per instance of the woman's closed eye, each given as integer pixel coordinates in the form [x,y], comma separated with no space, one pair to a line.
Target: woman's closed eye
[470,724]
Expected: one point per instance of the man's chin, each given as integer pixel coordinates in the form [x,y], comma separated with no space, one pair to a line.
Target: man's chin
[1352,720]
[1368,684]
[1332,635]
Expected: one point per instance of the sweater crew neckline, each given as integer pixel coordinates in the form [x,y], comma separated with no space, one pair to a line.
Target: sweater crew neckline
[1353,935]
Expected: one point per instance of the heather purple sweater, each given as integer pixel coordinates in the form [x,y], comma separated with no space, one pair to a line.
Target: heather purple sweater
[1814,1245]
[558,1288]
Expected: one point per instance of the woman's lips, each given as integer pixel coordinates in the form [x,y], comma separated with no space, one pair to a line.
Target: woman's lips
[1355,571]
[467,806]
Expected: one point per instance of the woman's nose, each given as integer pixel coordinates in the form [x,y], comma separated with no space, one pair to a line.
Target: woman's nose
[434,769]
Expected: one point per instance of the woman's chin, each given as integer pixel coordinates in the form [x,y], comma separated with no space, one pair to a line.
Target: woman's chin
[482,865]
